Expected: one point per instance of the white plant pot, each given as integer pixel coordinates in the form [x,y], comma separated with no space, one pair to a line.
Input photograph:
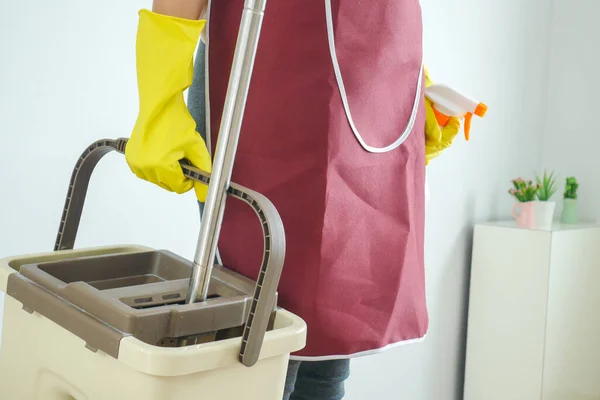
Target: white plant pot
[544,214]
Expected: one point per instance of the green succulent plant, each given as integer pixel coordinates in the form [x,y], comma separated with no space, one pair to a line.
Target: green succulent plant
[571,186]
[547,184]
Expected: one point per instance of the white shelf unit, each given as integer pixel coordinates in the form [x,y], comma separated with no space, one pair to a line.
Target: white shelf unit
[534,313]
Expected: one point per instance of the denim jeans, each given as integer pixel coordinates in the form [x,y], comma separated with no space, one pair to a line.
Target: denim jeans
[316,380]
[196,101]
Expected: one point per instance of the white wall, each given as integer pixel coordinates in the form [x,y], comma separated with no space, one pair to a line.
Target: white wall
[571,131]
[67,78]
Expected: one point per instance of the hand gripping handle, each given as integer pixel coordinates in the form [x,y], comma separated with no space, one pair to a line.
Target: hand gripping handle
[265,290]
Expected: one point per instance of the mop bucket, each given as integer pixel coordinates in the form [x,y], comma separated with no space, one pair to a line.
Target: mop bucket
[131,322]
[55,347]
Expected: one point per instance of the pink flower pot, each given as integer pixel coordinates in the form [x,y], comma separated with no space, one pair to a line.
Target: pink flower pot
[524,214]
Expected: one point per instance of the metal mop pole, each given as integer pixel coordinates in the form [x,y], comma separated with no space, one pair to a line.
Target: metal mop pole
[229,131]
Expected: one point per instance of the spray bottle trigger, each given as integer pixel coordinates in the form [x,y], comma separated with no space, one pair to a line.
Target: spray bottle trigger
[441,118]
[468,118]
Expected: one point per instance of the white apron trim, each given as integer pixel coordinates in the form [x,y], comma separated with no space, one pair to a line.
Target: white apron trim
[360,354]
[340,81]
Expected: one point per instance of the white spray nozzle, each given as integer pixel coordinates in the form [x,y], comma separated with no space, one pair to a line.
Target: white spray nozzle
[449,102]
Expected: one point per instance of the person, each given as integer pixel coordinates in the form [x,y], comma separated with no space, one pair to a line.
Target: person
[332,134]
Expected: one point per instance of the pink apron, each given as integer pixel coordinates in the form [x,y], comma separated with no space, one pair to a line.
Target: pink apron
[333,136]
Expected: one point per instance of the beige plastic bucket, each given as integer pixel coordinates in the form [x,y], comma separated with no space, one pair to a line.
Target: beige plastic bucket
[41,360]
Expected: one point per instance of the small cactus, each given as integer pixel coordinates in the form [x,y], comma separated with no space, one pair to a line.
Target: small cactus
[571,188]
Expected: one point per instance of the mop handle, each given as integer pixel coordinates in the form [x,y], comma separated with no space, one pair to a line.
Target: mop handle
[227,141]
[265,291]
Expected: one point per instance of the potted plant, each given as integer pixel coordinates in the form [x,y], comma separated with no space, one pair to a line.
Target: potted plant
[544,208]
[524,191]
[570,213]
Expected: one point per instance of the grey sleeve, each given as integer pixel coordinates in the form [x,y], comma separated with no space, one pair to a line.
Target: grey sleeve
[197,92]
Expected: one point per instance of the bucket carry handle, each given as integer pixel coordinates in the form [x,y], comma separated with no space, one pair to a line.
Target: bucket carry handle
[219,184]
[265,291]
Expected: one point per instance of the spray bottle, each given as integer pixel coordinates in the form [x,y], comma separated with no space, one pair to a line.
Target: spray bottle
[448,102]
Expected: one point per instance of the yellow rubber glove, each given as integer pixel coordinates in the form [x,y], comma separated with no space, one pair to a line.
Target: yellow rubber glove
[437,138]
[165,132]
